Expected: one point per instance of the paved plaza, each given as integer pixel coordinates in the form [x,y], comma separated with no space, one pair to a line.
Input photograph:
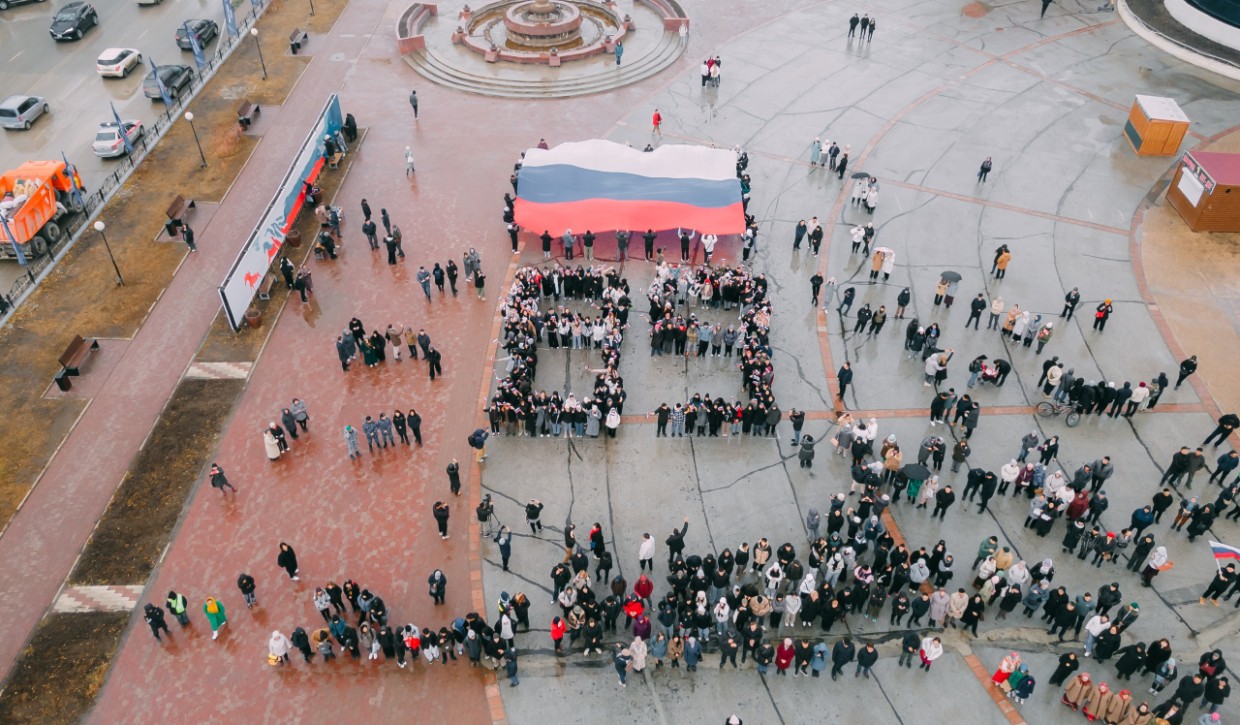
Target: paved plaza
[935,92]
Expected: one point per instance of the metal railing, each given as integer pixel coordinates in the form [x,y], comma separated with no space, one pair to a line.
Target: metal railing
[76,224]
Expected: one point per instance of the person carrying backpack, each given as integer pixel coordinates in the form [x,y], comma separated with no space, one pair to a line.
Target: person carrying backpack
[478,441]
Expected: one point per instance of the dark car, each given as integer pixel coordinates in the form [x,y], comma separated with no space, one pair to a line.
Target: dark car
[176,79]
[6,4]
[73,20]
[204,30]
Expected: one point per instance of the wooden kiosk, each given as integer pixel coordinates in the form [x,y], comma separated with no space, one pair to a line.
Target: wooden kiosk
[1156,126]
[1206,191]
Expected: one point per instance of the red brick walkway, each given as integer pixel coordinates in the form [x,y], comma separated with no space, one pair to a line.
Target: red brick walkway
[368,520]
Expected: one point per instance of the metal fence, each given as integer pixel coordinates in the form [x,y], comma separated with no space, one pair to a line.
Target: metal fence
[76,224]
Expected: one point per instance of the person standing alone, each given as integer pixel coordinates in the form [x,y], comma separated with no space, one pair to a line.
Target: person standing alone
[984,170]
[413,101]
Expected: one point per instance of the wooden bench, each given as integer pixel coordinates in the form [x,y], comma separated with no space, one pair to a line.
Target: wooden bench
[74,355]
[264,288]
[177,209]
[246,113]
[296,39]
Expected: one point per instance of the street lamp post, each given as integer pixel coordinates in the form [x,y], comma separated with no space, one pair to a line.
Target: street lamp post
[254,34]
[99,227]
[312,7]
[189,116]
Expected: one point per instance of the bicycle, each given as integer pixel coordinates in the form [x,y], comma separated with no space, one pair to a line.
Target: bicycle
[1052,409]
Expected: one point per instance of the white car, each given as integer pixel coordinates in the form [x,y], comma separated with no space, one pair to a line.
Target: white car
[108,143]
[117,62]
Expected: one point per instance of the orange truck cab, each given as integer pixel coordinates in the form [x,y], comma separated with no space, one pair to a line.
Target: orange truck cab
[34,198]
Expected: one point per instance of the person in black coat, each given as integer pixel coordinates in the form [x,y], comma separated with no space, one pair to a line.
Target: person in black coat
[842,653]
[1190,688]
[1216,692]
[1106,644]
[844,376]
[1130,660]
[974,612]
[1063,618]
[301,641]
[1068,663]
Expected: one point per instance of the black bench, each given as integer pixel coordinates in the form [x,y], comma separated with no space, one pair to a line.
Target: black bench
[296,39]
[264,288]
[246,113]
[72,358]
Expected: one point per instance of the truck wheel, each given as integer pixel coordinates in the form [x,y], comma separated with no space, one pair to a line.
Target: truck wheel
[52,233]
[38,247]
[69,201]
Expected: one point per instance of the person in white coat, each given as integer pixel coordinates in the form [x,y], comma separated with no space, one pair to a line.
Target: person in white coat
[931,650]
[723,617]
[1018,574]
[645,553]
[270,445]
[638,650]
[1022,324]
[278,647]
[1007,475]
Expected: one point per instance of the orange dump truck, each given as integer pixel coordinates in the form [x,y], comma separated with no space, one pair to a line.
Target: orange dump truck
[34,198]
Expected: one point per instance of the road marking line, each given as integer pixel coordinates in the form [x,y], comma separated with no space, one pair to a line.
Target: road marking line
[15,56]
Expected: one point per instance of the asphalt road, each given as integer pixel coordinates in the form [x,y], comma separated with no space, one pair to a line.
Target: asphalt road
[64,73]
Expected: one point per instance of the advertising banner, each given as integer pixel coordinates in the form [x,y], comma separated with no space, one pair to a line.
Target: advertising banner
[263,246]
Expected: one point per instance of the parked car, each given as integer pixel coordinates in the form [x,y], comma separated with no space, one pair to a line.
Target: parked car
[108,143]
[6,4]
[176,79]
[206,30]
[117,62]
[21,111]
[73,20]
[149,2]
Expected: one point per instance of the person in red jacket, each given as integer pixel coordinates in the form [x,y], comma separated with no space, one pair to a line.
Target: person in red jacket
[557,633]
[656,119]
[783,656]
[643,588]
[632,610]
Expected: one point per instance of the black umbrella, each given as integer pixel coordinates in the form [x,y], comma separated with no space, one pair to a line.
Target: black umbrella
[860,175]
[915,472]
[951,276]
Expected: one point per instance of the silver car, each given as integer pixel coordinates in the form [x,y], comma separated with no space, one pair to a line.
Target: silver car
[108,142]
[21,111]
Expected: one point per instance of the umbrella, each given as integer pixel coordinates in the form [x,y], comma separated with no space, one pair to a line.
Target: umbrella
[915,471]
[860,175]
[951,276]
[884,250]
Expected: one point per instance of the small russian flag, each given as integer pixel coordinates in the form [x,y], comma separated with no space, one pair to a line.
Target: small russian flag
[1223,551]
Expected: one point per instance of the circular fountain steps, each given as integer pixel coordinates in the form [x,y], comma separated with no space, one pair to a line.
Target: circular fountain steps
[457,74]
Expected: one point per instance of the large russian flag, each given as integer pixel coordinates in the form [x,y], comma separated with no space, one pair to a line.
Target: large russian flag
[1223,551]
[602,186]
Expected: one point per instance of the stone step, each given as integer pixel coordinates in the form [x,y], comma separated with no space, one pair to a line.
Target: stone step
[438,70]
[589,84]
[668,46]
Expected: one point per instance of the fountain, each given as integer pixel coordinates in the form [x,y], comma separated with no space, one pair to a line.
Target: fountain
[541,31]
[543,24]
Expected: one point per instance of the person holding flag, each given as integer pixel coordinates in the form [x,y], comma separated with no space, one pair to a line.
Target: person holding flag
[1219,584]
[1225,577]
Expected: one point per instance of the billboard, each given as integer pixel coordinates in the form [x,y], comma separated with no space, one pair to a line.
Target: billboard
[239,287]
